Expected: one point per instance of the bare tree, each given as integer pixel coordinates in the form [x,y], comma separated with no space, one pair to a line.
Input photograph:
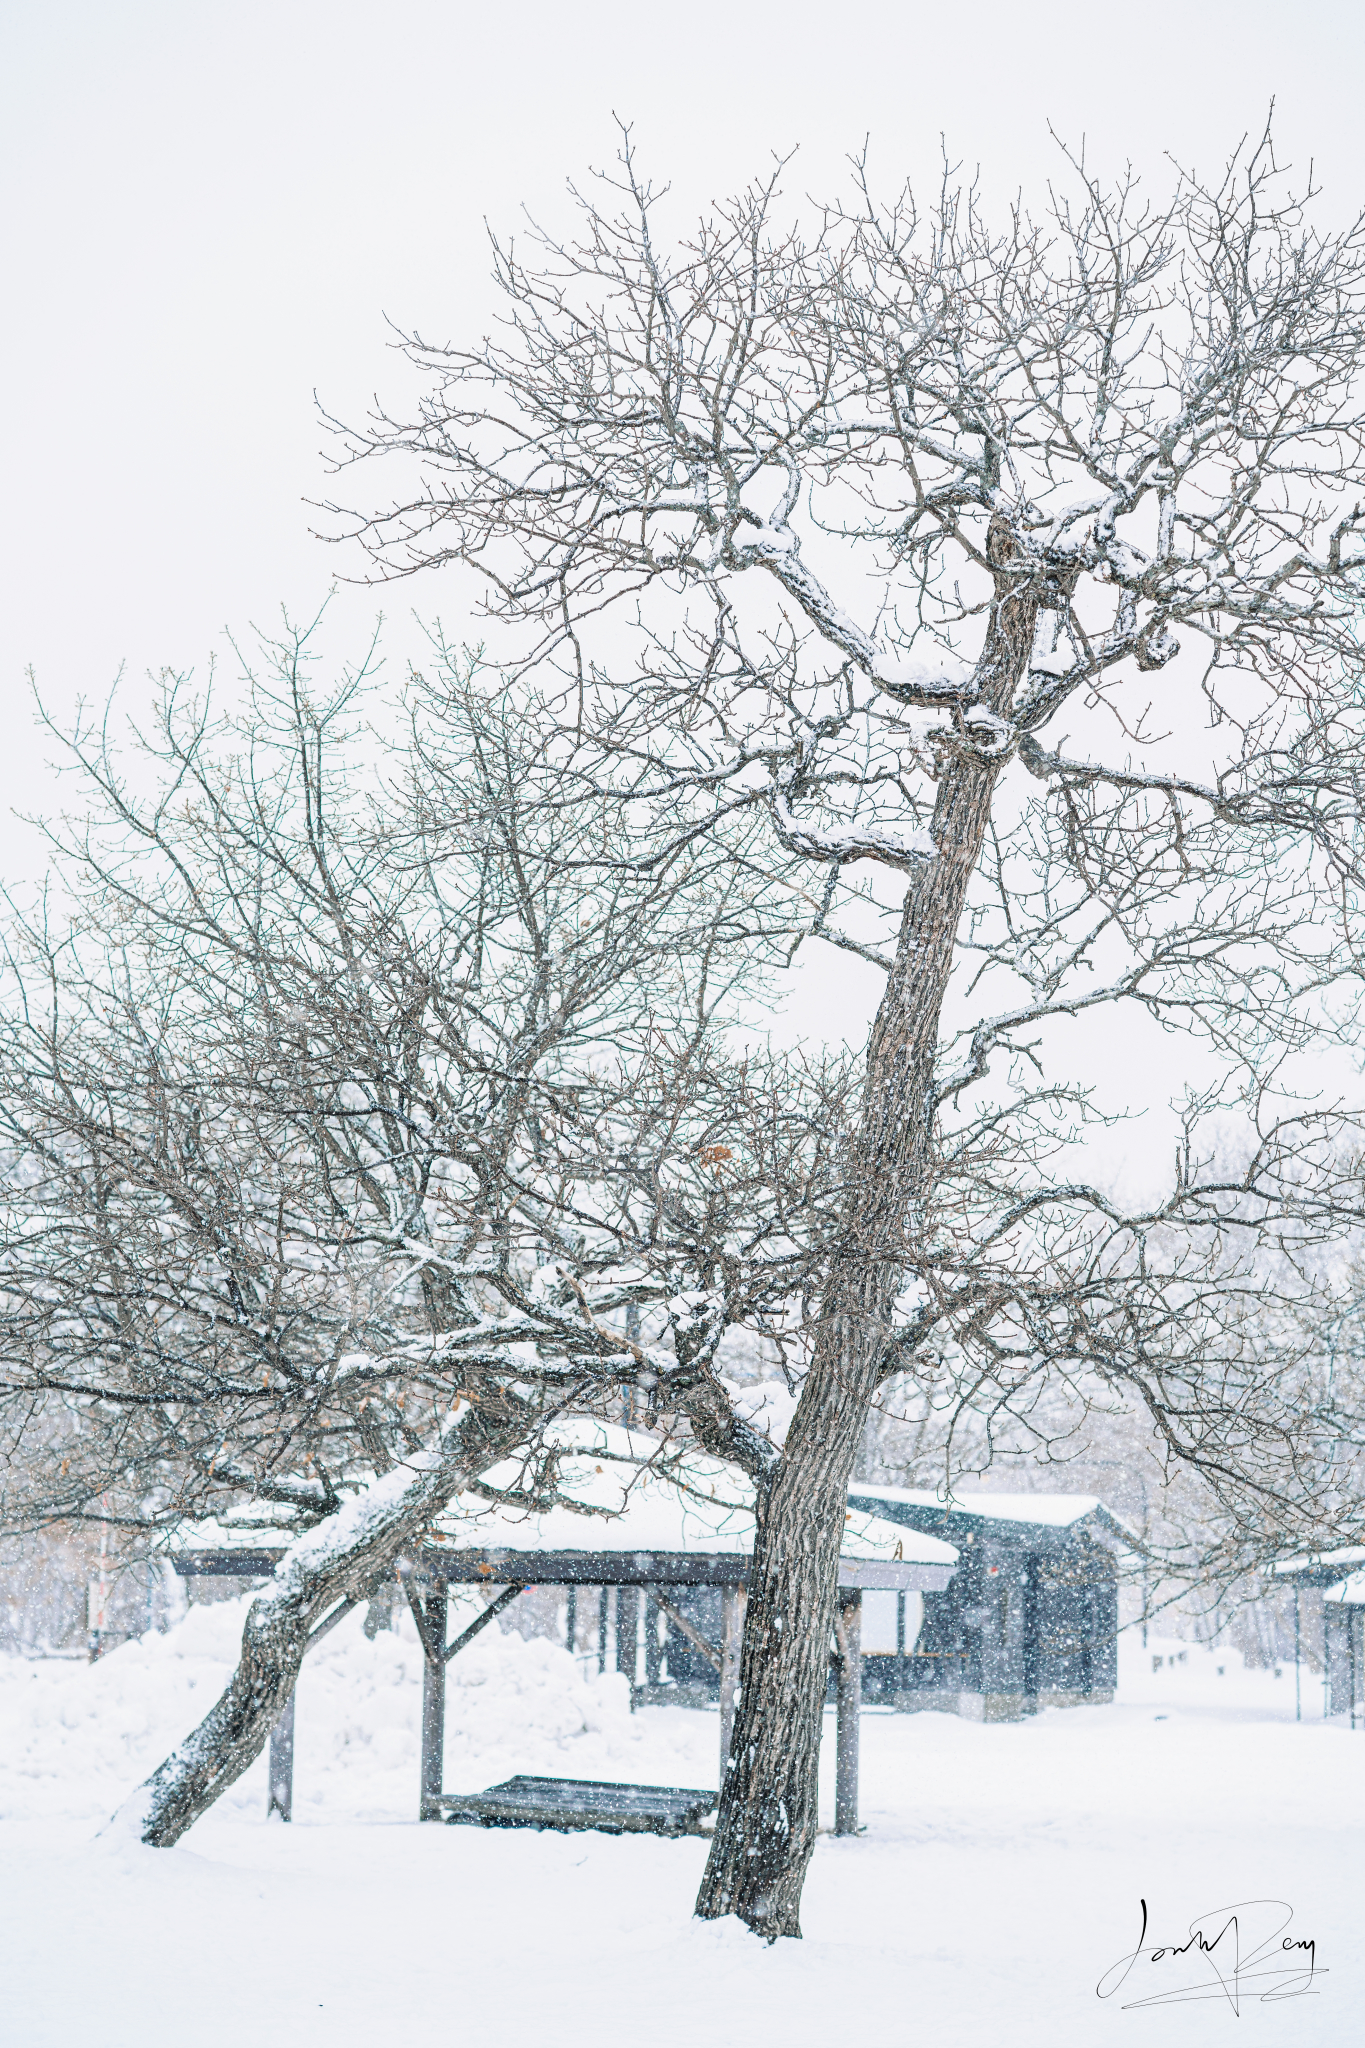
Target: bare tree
[351,1132]
[826,530]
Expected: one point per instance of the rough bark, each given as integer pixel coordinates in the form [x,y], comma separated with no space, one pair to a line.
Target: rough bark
[341,1559]
[766,1824]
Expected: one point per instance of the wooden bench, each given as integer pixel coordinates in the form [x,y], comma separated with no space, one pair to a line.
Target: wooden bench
[569,1803]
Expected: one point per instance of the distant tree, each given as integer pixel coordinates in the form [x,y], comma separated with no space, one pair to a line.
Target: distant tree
[826,532]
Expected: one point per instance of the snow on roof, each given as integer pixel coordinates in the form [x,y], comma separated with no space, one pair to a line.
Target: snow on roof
[1354,1553]
[1040,1510]
[247,1528]
[698,1504]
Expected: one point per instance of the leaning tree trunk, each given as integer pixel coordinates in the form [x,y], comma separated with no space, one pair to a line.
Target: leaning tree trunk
[766,1823]
[340,1559]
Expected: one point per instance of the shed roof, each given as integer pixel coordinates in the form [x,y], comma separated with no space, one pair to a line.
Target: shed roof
[1322,1567]
[1010,1516]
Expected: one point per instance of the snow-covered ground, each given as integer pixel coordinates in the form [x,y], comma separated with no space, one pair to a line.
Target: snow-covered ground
[1000,1873]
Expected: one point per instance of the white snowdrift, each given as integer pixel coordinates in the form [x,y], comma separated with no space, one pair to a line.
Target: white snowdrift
[76,1738]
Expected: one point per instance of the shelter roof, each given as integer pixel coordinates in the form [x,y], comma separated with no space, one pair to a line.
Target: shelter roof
[651,1498]
[625,1494]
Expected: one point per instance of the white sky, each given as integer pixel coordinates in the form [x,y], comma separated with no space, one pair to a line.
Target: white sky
[213,207]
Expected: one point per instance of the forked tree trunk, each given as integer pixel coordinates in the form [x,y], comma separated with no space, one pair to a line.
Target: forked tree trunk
[766,1823]
[338,1560]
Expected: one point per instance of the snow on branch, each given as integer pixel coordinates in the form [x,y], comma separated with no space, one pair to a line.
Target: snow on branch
[907,853]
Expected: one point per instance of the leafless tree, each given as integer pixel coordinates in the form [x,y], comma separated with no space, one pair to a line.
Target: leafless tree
[825,530]
[357,1132]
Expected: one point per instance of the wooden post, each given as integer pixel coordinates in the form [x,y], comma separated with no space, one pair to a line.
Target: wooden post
[901,1673]
[627,1633]
[602,1600]
[1351,1619]
[849,1628]
[654,1654]
[733,1602]
[280,1795]
[433,1707]
[571,1620]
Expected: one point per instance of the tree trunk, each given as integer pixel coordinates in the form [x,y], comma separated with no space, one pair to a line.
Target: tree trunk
[766,1823]
[338,1560]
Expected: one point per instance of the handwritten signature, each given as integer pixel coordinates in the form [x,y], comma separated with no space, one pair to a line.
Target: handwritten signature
[1231,1954]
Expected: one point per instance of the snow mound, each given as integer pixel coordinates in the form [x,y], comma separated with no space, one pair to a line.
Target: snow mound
[76,1738]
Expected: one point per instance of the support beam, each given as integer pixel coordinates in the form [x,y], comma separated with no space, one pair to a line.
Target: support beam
[849,1693]
[654,1650]
[337,1614]
[681,1622]
[280,1795]
[490,1613]
[1351,1633]
[280,1782]
[902,1675]
[583,1568]
[734,1600]
[433,1706]
[627,1634]
[432,1646]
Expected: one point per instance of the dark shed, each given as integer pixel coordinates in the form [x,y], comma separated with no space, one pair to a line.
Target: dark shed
[1030,1617]
[1338,1576]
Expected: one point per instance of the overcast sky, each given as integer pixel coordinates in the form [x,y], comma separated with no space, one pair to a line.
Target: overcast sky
[211,209]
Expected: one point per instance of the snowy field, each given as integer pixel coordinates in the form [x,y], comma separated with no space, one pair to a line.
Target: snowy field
[999,1875]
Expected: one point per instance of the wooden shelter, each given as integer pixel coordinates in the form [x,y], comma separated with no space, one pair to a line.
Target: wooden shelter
[1030,1617]
[655,1534]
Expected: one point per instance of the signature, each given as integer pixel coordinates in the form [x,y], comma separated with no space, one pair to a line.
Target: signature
[1234,1953]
